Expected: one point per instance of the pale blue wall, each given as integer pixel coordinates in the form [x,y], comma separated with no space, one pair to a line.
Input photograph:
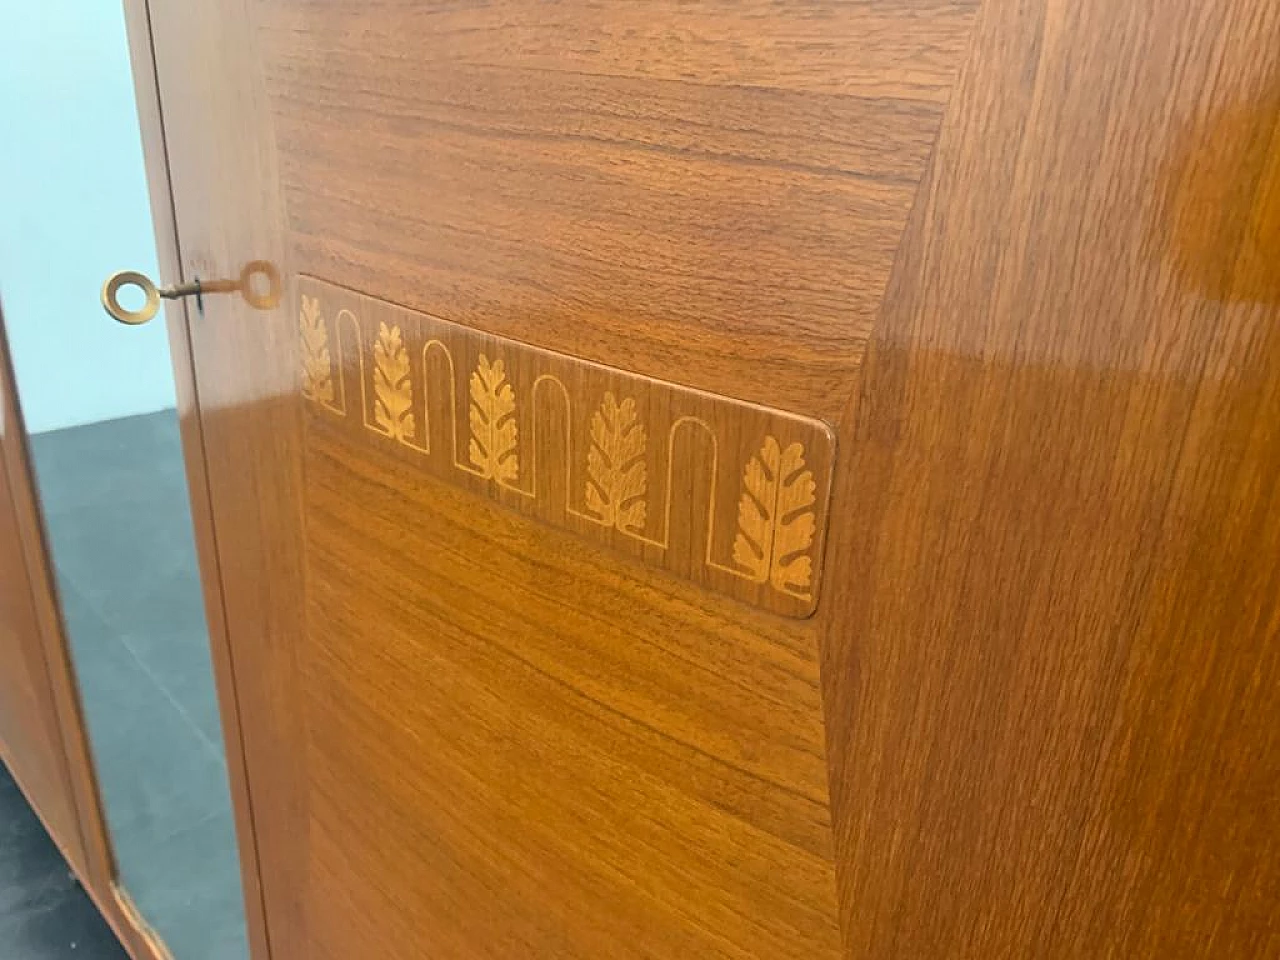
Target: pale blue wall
[73,209]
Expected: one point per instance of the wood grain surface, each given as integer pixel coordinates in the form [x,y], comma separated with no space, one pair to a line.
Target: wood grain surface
[517,748]
[1018,254]
[712,188]
[688,224]
[1051,666]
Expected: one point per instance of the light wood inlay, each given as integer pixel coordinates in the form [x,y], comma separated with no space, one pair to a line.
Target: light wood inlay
[617,475]
[547,434]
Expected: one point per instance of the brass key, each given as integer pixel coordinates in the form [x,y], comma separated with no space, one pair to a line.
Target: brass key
[195,288]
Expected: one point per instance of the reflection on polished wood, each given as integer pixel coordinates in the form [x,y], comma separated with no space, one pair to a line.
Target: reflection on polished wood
[1051,665]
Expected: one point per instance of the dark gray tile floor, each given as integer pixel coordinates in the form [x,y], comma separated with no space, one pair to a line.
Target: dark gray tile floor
[116,510]
[44,913]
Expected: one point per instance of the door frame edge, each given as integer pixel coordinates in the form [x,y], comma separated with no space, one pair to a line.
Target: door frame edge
[168,249]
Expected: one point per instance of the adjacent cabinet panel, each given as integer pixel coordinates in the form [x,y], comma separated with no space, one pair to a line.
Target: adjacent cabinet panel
[30,739]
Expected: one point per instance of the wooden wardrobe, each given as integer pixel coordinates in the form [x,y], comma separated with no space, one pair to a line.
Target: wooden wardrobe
[729,479]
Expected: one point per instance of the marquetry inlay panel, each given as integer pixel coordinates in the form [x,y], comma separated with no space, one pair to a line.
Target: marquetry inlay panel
[729,494]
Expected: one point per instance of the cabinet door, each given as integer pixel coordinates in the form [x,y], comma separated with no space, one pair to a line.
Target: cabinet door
[743,479]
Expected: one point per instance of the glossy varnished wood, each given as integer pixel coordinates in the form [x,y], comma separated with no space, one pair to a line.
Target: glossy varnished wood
[716,189]
[1051,662]
[692,227]
[1016,254]
[556,770]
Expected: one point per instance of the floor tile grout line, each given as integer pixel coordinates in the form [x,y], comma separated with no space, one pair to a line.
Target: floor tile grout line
[151,437]
[121,636]
[213,748]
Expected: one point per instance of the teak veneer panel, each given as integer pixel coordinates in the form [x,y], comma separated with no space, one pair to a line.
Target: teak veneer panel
[1051,668]
[710,193]
[596,759]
